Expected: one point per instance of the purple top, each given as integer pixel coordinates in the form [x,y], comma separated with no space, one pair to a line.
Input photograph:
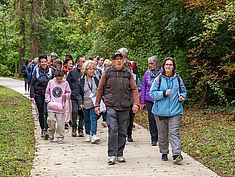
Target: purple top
[146,85]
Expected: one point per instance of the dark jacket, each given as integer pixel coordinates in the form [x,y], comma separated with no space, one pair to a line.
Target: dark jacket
[73,79]
[40,80]
[81,85]
[117,88]
[24,71]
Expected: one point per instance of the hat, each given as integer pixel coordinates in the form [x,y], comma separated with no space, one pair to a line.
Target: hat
[115,54]
[124,52]
[35,59]
[54,54]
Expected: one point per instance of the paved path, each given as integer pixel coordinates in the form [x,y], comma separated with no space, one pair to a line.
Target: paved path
[78,158]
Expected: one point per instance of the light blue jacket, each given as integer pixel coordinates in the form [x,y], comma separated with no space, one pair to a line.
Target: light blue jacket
[169,105]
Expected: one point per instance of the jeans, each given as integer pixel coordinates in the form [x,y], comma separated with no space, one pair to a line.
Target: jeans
[152,122]
[117,122]
[42,109]
[76,111]
[90,121]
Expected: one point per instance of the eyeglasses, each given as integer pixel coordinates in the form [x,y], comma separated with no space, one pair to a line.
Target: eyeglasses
[170,65]
[118,59]
[151,63]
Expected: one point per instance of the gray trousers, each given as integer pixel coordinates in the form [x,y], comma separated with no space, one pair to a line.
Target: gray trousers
[117,122]
[171,125]
[55,123]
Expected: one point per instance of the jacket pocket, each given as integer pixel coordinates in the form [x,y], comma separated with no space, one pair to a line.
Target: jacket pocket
[108,99]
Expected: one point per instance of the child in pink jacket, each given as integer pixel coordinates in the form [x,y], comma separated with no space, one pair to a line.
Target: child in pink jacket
[57,92]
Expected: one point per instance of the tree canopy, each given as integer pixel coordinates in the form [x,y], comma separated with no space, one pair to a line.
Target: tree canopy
[198,34]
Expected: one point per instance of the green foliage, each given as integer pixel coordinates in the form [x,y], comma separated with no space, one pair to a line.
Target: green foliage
[212,65]
[4,71]
[16,135]
[197,34]
[207,135]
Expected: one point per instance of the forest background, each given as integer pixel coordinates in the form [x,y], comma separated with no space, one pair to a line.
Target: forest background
[198,34]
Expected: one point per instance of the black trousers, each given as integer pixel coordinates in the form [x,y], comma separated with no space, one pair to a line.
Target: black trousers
[152,122]
[42,110]
[131,120]
[76,111]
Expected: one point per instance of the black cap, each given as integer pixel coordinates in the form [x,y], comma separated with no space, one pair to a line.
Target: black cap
[115,54]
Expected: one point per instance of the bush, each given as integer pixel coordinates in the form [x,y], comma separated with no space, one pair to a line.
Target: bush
[4,71]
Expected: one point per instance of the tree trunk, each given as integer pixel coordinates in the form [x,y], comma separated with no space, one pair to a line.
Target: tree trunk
[34,30]
[22,34]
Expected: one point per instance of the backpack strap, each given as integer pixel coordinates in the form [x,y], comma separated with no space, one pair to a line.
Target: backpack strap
[107,71]
[159,80]
[49,74]
[37,73]
[108,74]
[179,81]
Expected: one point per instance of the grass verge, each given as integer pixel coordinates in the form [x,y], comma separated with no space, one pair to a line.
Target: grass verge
[207,135]
[16,134]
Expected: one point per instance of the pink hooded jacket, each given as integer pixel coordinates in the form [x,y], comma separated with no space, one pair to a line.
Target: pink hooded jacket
[54,92]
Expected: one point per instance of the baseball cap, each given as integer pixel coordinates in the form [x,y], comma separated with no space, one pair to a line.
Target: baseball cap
[115,54]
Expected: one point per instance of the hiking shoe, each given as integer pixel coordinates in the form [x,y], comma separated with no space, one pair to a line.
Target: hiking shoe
[111,160]
[46,136]
[177,159]
[121,159]
[154,143]
[60,140]
[42,133]
[104,124]
[129,139]
[80,134]
[164,157]
[51,138]
[88,138]
[74,132]
[95,139]
[66,126]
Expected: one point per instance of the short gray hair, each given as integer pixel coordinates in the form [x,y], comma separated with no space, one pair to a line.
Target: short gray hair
[124,52]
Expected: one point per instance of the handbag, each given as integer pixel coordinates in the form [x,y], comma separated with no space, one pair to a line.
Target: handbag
[55,106]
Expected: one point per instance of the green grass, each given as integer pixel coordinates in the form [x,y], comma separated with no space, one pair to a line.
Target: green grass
[16,134]
[207,136]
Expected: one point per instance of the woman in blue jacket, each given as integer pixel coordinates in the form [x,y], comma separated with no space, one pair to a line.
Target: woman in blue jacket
[168,92]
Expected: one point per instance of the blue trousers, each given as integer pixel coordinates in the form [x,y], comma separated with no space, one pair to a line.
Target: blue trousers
[90,120]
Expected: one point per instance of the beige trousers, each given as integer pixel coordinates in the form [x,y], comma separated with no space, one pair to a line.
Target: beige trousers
[55,123]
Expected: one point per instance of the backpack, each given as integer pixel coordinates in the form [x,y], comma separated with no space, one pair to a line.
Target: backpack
[49,74]
[107,71]
[178,78]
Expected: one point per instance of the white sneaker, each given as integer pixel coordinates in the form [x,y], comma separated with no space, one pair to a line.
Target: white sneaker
[121,159]
[60,140]
[112,160]
[88,138]
[95,139]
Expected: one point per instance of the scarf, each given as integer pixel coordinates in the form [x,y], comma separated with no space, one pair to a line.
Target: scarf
[153,74]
